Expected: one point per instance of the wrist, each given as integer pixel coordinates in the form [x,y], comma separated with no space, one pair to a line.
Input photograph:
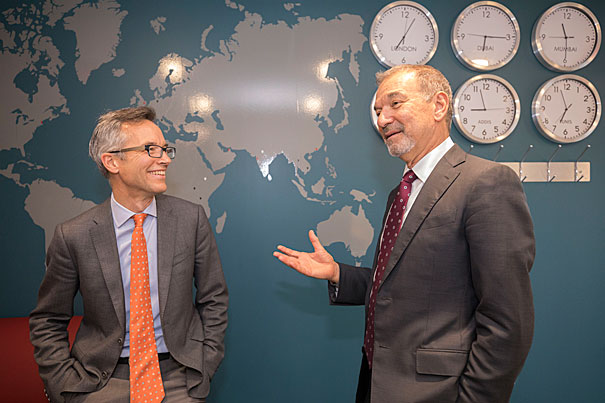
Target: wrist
[335,278]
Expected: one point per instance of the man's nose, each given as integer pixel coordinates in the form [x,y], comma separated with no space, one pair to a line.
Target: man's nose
[165,159]
[383,120]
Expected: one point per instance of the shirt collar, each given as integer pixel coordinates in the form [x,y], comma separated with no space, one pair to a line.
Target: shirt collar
[425,166]
[121,214]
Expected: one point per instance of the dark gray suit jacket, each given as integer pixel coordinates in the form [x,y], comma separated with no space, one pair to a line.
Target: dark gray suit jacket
[454,315]
[83,257]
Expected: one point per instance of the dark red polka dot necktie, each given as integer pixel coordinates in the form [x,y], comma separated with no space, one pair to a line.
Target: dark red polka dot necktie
[389,236]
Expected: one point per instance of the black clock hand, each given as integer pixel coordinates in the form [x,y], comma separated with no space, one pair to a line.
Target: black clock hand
[402,41]
[482,100]
[486,109]
[403,37]
[566,108]
[564,33]
[565,57]
[483,50]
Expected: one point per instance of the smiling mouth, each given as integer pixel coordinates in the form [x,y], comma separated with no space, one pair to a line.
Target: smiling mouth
[158,173]
[389,135]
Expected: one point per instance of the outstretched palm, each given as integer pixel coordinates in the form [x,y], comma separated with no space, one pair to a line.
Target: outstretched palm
[316,264]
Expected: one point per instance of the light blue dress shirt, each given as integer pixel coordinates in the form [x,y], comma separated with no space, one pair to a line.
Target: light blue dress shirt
[123,225]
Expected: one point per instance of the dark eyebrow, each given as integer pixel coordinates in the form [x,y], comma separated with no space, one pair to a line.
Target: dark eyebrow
[150,143]
[396,94]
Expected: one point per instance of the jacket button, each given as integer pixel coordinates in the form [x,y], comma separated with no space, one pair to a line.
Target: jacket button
[104,374]
[120,342]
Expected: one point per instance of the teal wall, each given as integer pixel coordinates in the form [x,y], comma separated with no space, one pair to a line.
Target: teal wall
[284,343]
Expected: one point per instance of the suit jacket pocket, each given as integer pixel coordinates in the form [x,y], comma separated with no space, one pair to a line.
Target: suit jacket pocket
[431,361]
[196,329]
[439,219]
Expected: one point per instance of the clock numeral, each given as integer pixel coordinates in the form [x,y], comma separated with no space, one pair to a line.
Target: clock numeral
[566,16]
[473,128]
[555,89]
[504,122]
[486,86]
[577,129]
[547,97]
[484,132]
[586,98]
[496,129]
[465,120]
[426,38]
[565,132]
[588,109]
[566,86]
[508,109]
[508,37]
[585,121]
[486,14]
[380,35]
[467,97]
[461,108]
[546,121]
[462,36]
[587,39]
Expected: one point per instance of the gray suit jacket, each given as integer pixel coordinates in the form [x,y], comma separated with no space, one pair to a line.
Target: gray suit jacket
[454,315]
[83,257]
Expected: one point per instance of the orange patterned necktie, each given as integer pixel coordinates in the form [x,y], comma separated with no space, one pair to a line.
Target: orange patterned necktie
[145,377]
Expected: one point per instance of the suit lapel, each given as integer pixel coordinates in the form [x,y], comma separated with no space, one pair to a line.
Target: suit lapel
[167,225]
[445,173]
[107,253]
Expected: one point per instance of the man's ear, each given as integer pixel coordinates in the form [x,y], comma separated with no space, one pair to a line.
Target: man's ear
[442,104]
[110,162]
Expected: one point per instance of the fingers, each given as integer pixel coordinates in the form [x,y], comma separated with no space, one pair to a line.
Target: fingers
[315,241]
[289,261]
[287,251]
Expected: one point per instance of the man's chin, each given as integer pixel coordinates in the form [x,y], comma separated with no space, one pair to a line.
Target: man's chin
[159,189]
[398,149]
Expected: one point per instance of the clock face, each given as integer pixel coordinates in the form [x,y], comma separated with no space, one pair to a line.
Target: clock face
[485,36]
[486,109]
[566,109]
[404,32]
[566,37]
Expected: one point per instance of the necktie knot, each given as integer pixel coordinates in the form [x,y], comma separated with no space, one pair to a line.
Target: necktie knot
[138,219]
[409,177]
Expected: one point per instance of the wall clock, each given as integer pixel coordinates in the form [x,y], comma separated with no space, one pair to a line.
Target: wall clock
[566,37]
[566,108]
[486,109]
[485,36]
[404,32]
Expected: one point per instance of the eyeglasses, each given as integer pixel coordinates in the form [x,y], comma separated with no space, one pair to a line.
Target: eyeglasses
[152,150]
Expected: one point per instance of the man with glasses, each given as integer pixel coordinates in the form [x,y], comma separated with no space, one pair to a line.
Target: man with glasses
[145,335]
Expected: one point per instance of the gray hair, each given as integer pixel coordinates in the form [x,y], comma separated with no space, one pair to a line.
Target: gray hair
[108,136]
[430,82]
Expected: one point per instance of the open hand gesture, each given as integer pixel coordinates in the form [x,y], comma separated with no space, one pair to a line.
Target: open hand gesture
[317,264]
